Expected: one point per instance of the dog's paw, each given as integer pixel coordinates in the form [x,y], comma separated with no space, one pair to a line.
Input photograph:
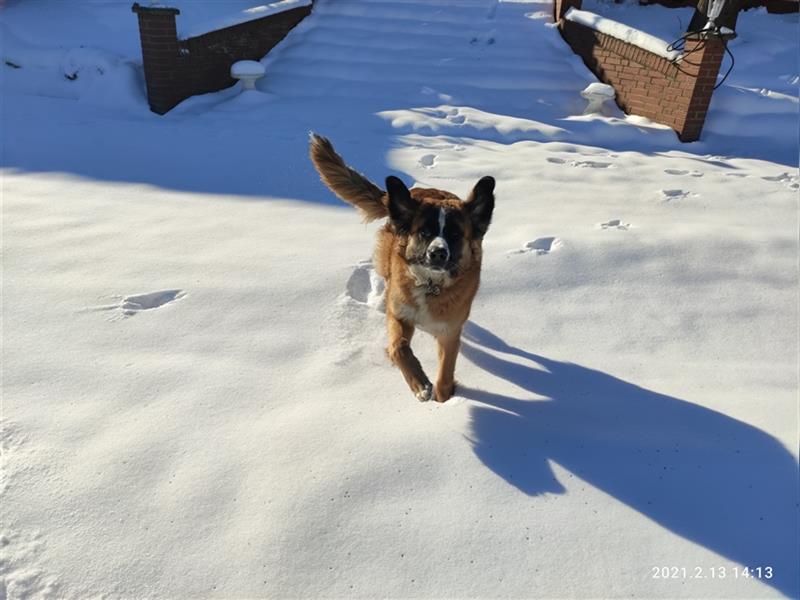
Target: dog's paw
[425,394]
[444,392]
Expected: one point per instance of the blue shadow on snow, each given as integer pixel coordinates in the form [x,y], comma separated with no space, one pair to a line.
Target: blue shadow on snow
[707,477]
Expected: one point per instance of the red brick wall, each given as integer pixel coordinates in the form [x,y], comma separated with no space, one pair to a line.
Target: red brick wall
[647,84]
[177,69]
[159,38]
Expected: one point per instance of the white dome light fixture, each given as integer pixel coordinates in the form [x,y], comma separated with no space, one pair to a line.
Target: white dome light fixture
[248,72]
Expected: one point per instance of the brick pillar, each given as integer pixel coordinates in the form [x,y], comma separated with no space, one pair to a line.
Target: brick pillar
[160,56]
[560,8]
[700,66]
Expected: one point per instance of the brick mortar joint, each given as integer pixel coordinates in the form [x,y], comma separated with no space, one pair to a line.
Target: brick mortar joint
[667,65]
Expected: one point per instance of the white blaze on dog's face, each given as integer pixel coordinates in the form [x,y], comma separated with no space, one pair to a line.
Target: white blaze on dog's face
[439,228]
[436,240]
[438,252]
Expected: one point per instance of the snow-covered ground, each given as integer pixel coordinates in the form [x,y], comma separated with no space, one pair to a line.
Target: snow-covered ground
[196,400]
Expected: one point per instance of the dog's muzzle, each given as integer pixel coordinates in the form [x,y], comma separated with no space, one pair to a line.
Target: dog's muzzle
[438,253]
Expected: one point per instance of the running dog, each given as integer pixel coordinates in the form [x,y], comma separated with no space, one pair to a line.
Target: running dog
[429,252]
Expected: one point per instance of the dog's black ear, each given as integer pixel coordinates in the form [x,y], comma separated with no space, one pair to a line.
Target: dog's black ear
[402,207]
[480,205]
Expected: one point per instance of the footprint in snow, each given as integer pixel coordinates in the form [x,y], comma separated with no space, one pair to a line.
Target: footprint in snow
[683,172]
[365,286]
[582,164]
[591,164]
[539,15]
[780,178]
[457,119]
[129,306]
[615,224]
[540,246]
[132,305]
[790,180]
[451,115]
[428,161]
[671,195]
[488,40]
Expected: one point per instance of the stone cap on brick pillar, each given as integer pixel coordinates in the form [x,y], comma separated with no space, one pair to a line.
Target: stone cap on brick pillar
[723,34]
[164,10]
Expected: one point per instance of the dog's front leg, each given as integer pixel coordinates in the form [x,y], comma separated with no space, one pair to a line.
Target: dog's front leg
[448,353]
[400,334]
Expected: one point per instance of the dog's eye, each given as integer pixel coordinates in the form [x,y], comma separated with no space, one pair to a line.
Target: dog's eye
[426,232]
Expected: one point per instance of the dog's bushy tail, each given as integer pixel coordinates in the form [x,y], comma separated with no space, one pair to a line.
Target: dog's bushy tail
[350,186]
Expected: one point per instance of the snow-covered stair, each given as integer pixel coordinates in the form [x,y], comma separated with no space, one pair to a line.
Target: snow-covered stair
[476,52]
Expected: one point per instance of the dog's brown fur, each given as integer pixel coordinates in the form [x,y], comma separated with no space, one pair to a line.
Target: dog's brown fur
[413,298]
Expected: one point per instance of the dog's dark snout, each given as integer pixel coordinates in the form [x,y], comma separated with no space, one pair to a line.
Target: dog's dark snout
[437,255]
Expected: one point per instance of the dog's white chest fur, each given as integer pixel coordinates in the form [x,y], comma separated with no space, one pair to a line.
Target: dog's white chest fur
[419,315]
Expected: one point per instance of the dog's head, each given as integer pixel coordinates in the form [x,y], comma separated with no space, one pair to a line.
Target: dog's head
[440,229]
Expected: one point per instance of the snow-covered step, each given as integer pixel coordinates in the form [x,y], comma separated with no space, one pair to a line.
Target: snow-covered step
[496,77]
[510,59]
[449,12]
[478,51]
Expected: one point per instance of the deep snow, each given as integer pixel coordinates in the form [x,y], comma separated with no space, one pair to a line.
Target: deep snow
[196,401]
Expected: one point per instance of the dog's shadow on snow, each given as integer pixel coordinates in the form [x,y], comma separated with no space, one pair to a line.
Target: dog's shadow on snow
[705,476]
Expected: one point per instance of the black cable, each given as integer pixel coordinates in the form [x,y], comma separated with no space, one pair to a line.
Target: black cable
[725,44]
[680,44]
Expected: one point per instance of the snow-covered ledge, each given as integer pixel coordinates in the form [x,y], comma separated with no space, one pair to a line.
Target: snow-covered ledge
[637,38]
[249,14]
